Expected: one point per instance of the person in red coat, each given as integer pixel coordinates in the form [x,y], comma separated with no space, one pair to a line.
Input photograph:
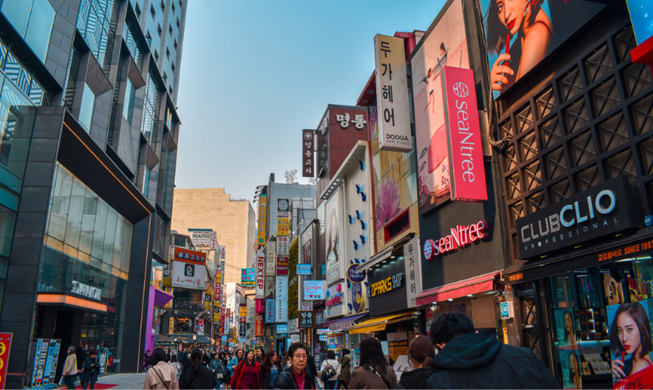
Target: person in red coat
[246,373]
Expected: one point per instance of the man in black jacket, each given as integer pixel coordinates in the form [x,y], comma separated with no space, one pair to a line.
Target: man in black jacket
[468,360]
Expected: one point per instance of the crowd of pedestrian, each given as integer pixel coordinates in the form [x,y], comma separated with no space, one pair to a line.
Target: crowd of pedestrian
[453,356]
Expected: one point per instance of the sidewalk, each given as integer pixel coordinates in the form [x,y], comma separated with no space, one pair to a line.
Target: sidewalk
[124,381]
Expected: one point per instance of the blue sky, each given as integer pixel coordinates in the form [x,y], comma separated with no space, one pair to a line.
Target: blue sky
[255,73]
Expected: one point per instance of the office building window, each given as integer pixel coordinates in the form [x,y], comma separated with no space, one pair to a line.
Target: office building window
[128,106]
[33,20]
[86,109]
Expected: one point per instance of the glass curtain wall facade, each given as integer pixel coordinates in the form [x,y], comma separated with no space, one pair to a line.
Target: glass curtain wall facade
[89,242]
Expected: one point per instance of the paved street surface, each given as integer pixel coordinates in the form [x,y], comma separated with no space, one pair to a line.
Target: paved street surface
[124,381]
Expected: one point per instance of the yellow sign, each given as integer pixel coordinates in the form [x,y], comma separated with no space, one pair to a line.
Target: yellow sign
[283,227]
[243,311]
[171,326]
[216,317]
[262,218]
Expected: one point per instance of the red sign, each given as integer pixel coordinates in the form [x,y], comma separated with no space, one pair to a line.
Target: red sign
[464,133]
[260,274]
[191,257]
[282,265]
[260,306]
[217,289]
[258,328]
[461,236]
[308,147]
[5,348]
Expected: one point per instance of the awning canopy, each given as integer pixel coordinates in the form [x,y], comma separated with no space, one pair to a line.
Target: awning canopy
[376,324]
[479,284]
[161,298]
[344,323]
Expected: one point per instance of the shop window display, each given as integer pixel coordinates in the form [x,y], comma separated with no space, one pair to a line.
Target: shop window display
[600,319]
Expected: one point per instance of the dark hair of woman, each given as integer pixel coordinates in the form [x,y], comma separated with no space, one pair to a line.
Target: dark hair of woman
[421,350]
[173,358]
[253,352]
[236,354]
[196,359]
[92,351]
[496,32]
[566,319]
[331,354]
[159,355]
[294,347]
[267,361]
[372,355]
[636,311]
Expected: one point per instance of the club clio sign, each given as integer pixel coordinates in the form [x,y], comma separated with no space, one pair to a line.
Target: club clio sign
[464,135]
[459,237]
[605,209]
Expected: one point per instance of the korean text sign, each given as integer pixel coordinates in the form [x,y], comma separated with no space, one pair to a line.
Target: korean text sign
[5,348]
[306,319]
[248,277]
[262,218]
[308,147]
[313,289]
[464,134]
[413,263]
[282,265]
[392,94]
[271,261]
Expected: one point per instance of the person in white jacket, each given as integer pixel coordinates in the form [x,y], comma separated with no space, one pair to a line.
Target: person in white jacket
[330,361]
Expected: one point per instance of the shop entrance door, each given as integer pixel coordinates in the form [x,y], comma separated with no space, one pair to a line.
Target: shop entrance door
[532,332]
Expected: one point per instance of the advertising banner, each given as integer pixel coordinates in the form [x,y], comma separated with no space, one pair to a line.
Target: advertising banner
[313,289]
[283,245]
[5,349]
[269,286]
[304,269]
[282,265]
[559,20]
[269,311]
[464,135]
[262,218]
[248,277]
[283,227]
[446,44]
[217,288]
[630,345]
[281,306]
[201,237]
[214,241]
[413,263]
[335,300]
[188,275]
[258,326]
[223,252]
[334,232]
[282,328]
[392,94]
[308,148]
[271,261]
[640,12]
[260,274]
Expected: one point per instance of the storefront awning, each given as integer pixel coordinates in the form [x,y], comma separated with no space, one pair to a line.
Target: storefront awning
[345,323]
[161,298]
[376,324]
[479,284]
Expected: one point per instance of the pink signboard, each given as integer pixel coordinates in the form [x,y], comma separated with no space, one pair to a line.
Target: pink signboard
[464,135]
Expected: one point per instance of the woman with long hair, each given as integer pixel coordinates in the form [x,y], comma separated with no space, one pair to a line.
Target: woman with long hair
[374,372]
[574,371]
[260,355]
[420,354]
[568,326]
[296,376]
[333,245]
[161,375]
[195,375]
[246,373]
[270,370]
[525,20]
[630,336]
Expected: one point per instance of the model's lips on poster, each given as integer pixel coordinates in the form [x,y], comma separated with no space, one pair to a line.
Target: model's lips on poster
[626,347]
[511,24]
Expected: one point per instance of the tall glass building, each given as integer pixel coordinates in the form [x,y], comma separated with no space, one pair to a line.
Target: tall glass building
[88,150]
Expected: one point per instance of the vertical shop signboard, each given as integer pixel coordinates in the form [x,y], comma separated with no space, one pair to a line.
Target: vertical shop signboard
[217,288]
[281,307]
[283,245]
[413,266]
[258,325]
[283,227]
[464,135]
[282,265]
[269,311]
[262,218]
[306,319]
[260,274]
[392,94]
[271,261]
[308,136]
[5,348]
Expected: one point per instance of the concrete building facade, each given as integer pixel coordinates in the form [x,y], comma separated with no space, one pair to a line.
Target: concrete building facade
[234,222]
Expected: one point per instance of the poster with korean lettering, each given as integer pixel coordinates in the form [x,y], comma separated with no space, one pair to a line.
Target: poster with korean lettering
[282,265]
[283,245]
[446,44]
[258,326]
[248,277]
[392,94]
[262,218]
[217,288]
[223,252]
[413,266]
[271,260]
[308,153]
[283,227]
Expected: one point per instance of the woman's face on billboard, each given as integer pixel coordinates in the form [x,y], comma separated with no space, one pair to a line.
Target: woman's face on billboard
[628,333]
[511,14]
[334,231]
[566,321]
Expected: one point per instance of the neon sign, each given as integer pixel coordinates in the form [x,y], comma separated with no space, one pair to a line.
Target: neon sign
[459,237]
